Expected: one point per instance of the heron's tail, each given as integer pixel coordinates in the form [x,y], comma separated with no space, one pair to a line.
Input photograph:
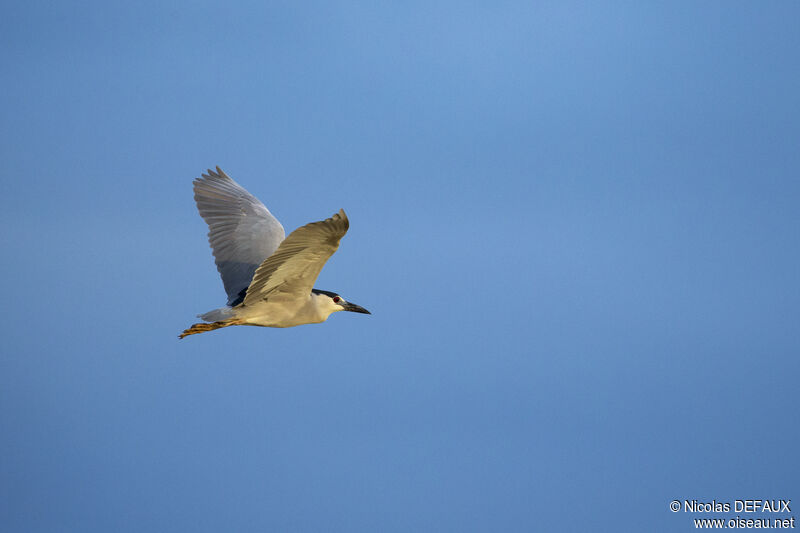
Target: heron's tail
[202,328]
[217,315]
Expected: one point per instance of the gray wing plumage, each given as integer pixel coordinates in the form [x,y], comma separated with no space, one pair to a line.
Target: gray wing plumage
[241,231]
[293,268]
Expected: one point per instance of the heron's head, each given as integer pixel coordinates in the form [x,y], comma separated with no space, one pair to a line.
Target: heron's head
[334,302]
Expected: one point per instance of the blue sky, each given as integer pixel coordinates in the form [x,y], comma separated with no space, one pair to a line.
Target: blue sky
[576,226]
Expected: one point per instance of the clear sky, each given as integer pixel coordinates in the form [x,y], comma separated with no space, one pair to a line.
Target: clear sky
[577,226]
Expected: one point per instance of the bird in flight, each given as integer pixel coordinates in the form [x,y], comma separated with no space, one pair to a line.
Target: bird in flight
[269,280]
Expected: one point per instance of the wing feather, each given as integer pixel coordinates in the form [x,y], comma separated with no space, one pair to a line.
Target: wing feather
[294,266]
[241,230]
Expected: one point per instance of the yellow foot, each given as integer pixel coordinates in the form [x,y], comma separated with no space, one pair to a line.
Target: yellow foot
[203,327]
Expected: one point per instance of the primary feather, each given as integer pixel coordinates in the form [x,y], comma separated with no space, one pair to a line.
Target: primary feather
[241,230]
[293,268]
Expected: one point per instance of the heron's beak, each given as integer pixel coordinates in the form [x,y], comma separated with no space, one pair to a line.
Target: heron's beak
[355,308]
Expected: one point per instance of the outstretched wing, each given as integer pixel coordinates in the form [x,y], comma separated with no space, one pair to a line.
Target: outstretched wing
[241,231]
[295,265]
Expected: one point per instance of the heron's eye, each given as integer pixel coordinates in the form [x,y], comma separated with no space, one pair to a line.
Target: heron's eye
[336,299]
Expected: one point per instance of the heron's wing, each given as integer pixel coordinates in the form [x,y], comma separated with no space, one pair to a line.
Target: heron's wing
[241,231]
[295,265]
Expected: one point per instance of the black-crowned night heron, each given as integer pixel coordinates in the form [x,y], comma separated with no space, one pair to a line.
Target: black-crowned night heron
[268,279]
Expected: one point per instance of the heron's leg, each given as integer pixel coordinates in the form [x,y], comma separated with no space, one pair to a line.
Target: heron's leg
[203,326]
